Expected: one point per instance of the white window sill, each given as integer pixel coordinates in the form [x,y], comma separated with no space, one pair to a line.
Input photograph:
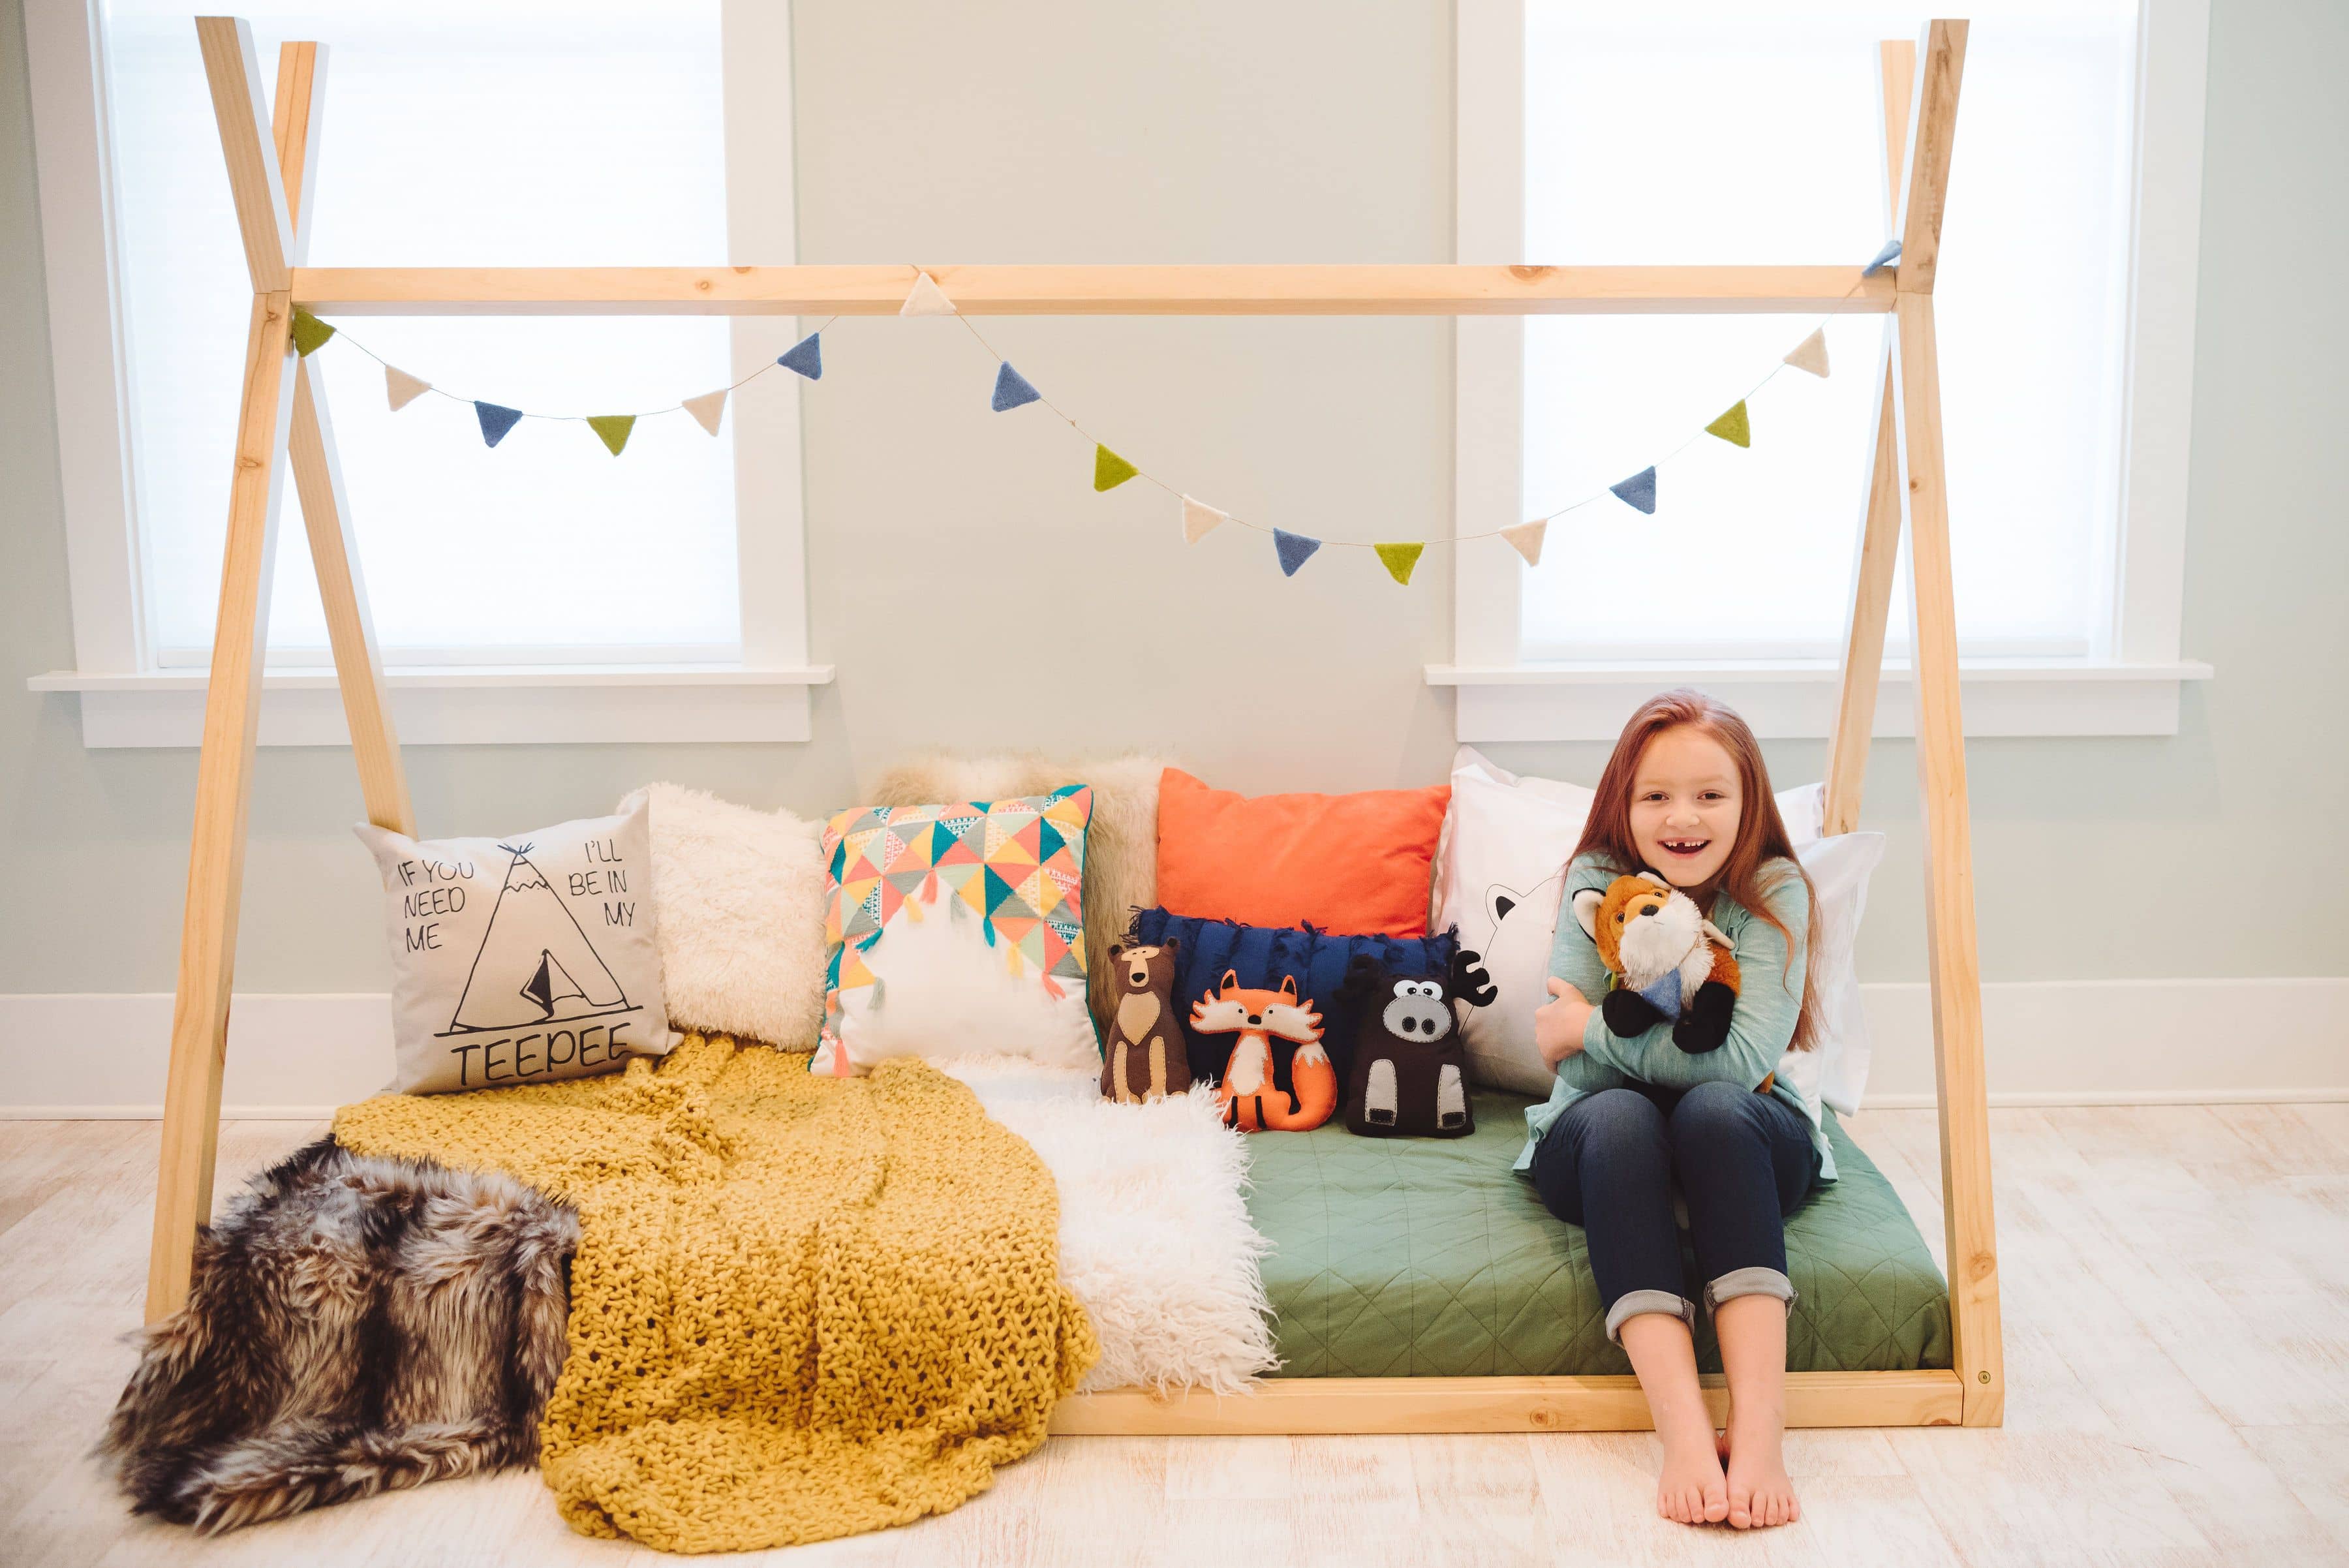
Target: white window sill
[1796,698]
[450,705]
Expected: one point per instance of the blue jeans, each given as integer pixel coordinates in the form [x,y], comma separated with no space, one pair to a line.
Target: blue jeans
[1744,1161]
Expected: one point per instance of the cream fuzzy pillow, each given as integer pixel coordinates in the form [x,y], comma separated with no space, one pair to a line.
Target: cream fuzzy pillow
[740,895]
[1121,841]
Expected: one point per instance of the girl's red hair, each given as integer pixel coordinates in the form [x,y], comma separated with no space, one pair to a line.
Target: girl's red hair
[1749,875]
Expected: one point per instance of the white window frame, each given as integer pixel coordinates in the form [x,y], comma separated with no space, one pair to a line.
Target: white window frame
[2129,683]
[129,696]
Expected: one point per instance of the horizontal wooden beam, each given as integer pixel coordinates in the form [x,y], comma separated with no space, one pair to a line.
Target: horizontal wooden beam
[879,288]
[1336,1406]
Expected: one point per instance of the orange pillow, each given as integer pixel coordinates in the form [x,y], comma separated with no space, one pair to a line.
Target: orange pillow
[1357,865]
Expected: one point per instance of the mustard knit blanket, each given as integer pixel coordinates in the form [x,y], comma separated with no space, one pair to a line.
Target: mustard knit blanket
[801,1306]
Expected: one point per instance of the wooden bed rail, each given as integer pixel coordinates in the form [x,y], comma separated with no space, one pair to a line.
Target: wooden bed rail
[1201,289]
[272,163]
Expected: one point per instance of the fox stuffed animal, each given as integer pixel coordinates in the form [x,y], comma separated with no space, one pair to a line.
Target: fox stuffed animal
[1669,964]
[1252,1101]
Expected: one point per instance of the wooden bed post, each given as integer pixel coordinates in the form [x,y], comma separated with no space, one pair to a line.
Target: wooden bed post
[283,405]
[1972,1242]
[1879,528]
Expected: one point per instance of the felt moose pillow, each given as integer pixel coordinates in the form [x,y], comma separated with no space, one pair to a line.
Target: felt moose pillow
[1409,1076]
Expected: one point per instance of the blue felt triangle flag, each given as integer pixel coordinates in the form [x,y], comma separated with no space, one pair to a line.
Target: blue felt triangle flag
[1012,389]
[1294,550]
[1639,492]
[806,356]
[496,420]
[1884,258]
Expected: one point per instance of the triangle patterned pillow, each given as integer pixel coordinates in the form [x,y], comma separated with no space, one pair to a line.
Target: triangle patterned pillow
[957,929]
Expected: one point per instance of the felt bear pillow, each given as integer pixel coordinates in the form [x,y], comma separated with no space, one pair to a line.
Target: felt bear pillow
[957,929]
[524,958]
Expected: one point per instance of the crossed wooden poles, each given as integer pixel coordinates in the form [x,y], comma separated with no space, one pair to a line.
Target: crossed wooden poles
[270,167]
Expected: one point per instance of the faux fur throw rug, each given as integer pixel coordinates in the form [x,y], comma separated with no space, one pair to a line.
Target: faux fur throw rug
[801,1307]
[354,1327]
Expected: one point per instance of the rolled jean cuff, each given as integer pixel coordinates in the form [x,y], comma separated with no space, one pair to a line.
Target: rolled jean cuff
[1755,1281]
[1631,1303]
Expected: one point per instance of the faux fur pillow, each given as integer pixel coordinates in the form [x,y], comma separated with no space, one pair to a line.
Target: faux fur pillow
[740,895]
[1121,843]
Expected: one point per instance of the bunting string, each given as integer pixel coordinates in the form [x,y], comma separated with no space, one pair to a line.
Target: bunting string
[1014,390]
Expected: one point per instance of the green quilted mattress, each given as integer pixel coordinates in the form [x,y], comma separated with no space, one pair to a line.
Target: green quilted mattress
[1431,1258]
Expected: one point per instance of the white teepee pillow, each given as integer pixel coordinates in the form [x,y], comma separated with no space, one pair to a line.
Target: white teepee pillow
[520,959]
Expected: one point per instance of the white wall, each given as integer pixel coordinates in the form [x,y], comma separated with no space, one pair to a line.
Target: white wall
[1234,131]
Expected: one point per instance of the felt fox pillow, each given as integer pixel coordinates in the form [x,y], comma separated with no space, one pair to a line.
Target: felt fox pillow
[1254,1097]
[1666,964]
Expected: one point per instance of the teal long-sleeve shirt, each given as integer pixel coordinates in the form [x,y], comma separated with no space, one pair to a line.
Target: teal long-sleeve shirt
[1761,1026]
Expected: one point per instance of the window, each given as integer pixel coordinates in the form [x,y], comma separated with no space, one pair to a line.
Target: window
[592,132]
[1724,133]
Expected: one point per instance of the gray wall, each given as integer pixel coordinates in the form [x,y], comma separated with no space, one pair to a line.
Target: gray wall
[1230,131]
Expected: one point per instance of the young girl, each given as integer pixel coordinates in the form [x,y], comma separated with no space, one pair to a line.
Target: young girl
[1685,796]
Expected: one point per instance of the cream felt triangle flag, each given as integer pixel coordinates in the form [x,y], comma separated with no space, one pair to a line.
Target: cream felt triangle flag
[1526,537]
[1199,520]
[707,410]
[926,299]
[1811,353]
[400,389]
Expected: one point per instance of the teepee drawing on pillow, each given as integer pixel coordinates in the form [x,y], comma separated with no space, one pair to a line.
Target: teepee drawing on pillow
[535,965]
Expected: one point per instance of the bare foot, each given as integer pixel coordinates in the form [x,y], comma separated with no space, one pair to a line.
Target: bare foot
[1692,1490]
[1760,1495]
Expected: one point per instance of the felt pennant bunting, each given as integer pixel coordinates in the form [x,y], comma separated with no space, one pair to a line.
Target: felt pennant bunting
[926,298]
[1526,539]
[1811,353]
[806,356]
[612,428]
[310,334]
[496,420]
[1399,560]
[707,410]
[1199,520]
[1109,471]
[1733,427]
[400,389]
[1639,492]
[1294,550]
[1884,258]
[1012,389]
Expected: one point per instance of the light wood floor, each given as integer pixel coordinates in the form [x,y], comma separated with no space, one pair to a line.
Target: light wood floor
[2177,1353]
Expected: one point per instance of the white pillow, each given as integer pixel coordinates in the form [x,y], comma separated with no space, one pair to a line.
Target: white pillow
[1499,872]
[520,959]
[741,900]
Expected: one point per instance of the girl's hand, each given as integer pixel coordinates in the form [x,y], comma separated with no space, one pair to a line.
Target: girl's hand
[1558,1022]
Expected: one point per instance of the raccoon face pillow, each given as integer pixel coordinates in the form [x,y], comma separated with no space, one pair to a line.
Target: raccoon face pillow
[520,959]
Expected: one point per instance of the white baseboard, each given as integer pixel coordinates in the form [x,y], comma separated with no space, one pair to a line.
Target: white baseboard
[2127,1042]
[2048,1043]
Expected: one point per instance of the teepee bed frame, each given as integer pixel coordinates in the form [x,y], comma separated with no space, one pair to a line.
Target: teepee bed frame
[271,165]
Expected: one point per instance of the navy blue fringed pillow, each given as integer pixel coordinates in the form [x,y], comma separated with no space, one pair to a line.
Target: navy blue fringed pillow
[1263,956]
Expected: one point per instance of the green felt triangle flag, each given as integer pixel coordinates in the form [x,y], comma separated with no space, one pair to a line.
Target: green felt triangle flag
[1733,427]
[1399,560]
[1109,471]
[310,334]
[613,429]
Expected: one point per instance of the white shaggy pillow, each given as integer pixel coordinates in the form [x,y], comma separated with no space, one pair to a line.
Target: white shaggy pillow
[742,896]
